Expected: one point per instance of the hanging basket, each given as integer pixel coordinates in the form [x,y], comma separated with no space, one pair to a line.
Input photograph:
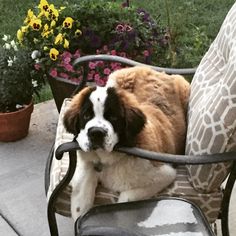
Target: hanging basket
[15,125]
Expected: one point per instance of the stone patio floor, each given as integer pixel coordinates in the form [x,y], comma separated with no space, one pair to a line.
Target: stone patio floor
[22,163]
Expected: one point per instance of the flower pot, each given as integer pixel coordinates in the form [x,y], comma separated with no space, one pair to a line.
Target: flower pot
[15,125]
[61,89]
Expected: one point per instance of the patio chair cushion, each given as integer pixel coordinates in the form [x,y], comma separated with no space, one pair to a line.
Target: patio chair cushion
[212,107]
[210,202]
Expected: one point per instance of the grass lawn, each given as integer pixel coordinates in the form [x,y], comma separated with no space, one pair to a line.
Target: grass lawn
[195,23]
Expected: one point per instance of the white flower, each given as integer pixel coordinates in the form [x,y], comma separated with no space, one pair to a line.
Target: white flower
[18,106]
[5,37]
[15,48]
[13,44]
[7,46]
[34,83]
[37,60]
[35,54]
[10,62]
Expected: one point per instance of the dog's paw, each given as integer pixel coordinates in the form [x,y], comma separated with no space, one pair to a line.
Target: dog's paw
[80,209]
[127,196]
[123,197]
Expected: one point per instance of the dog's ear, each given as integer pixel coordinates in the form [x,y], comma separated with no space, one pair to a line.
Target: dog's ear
[71,121]
[71,117]
[134,123]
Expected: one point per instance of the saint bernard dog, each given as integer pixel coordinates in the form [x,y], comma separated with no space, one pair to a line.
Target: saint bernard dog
[138,107]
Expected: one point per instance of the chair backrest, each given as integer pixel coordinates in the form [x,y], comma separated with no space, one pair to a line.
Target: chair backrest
[212,107]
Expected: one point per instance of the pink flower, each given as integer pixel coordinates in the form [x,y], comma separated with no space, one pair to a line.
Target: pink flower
[120,28]
[101,81]
[146,53]
[106,71]
[66,54]
[100,63]
[64,75]
[75,79]
[69,67]
[67,60]
[118,67]
[90,75]
[114,65]
[77,53]
[113,52]
[105,48]
[96,77]
[53,72]
[92,65]
[37,66]
[128,28]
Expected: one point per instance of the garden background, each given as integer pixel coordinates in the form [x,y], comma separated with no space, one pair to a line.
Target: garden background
[193,23]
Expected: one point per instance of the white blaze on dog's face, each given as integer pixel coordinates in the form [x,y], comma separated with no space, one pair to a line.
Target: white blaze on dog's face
[102,119]
[97,132]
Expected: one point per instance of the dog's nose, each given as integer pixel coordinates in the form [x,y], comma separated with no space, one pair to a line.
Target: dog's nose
[96,136]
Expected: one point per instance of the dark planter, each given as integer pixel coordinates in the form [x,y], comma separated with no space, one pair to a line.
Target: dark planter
[15,125]
[61,89]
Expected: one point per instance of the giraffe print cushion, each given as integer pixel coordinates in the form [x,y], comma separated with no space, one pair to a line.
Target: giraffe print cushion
[212,107]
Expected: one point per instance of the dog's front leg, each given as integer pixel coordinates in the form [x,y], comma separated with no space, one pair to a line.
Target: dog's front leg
[83,190]
[164,176]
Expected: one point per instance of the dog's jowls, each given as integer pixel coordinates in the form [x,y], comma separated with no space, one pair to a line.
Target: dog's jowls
[138,107]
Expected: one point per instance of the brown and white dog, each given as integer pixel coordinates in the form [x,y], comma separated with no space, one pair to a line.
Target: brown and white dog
[138,107]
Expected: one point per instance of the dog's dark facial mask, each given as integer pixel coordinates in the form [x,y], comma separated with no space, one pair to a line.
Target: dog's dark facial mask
[102,119]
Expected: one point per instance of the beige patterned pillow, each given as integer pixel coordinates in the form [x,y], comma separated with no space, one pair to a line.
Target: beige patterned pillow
[212,107]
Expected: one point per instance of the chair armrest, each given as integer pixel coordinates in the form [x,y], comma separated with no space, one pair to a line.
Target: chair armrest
[129,62]
[163,157]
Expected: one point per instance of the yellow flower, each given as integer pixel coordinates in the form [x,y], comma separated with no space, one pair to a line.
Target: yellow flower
[52,13]
[62,8]
[53,23]
[24,29]
[53,54]
[68,22]
[78,32]
[43,5]
[20,35]
[46,27]
[36,24]
[46,32]
[29,17]
[66,43]
[58,39]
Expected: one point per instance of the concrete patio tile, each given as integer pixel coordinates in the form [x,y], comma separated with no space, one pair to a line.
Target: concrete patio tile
[5,228]
[22,163]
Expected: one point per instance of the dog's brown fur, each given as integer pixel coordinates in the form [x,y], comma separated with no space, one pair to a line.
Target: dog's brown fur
[163,99]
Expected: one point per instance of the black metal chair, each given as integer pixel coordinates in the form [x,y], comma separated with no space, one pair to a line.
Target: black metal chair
[72,147]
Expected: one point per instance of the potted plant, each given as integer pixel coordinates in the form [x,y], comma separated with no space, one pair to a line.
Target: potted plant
[62,34]
[16,89]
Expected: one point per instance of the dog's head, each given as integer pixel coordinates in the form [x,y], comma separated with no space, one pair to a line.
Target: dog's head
[104,117]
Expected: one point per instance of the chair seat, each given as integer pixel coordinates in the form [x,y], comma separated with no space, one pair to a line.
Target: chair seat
[162,216]
[209,202]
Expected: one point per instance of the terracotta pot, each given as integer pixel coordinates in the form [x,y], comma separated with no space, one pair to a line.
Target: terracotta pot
[15,125]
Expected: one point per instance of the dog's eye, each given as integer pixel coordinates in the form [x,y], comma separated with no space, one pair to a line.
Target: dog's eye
[111,117]
[88,116]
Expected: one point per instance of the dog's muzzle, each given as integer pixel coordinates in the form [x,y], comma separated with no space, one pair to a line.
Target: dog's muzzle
[96,136]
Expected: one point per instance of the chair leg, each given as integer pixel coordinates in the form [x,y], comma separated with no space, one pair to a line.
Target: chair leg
[226,201]
[52,200]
